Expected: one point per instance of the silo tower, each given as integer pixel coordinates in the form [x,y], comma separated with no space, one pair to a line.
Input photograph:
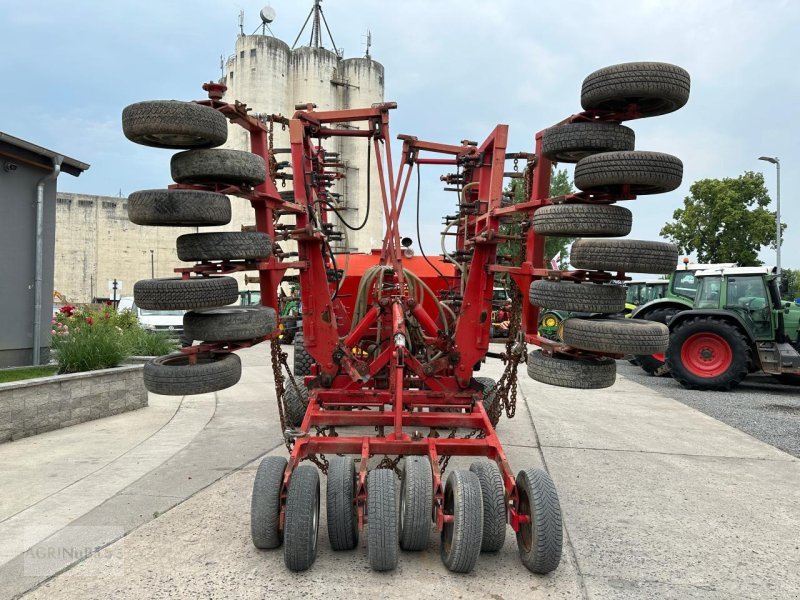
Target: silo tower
[271,78]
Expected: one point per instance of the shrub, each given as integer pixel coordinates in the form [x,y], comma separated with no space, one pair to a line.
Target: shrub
[140,342]
[85,344]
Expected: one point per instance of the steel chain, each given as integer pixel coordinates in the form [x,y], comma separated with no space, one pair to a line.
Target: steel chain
[273,162]
[505,394]
[390,463]
[445,460]
[277,374]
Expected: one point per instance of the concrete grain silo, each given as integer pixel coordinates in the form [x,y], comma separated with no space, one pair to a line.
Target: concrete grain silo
[271,78]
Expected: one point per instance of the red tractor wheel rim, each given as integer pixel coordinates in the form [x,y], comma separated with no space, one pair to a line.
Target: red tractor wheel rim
[706,355]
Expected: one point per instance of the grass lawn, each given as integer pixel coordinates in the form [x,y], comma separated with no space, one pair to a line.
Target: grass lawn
[31,373]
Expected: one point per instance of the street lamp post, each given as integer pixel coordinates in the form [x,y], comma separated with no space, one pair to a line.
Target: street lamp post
[153,265]
[776,161]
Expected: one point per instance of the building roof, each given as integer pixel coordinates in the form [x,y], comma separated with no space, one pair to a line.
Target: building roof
[36,156]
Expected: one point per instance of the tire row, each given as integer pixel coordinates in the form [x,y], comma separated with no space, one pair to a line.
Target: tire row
[197,130]
[401,519]
[607,163]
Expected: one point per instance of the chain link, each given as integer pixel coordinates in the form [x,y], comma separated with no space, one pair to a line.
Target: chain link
[505,392]
[273,162]
[390,463]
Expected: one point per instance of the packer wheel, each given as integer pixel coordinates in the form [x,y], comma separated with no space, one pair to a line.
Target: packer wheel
[382,536]
[265,504]
[174,374]
[539,540]
[236,167]
[179,208]
[295,400]
[301,523]
[494,504]
[340,502]
[582,297]
[416,501]
[461,538]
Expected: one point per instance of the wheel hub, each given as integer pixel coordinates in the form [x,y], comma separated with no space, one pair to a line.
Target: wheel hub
[706,355]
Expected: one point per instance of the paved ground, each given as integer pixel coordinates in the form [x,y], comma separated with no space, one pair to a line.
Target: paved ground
[760,406]
[659,501]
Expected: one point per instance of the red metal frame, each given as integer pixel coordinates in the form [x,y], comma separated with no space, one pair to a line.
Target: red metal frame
[388,385]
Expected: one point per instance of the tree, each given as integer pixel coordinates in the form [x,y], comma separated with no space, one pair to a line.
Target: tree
[724,220]
[560,185]
[792,278]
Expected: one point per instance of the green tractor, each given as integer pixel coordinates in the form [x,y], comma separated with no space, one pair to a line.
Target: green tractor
[738,324]
[678,295]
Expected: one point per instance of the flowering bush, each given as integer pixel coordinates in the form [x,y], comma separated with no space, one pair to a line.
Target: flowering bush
[85,340]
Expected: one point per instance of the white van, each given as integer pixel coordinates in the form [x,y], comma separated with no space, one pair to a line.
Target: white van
[170,321]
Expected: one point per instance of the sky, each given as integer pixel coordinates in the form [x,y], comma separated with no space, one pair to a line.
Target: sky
[456,68]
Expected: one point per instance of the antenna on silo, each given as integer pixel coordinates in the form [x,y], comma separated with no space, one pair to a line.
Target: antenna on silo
[241,22]
[221,66]
[267,16]
[316,29]
[369,44]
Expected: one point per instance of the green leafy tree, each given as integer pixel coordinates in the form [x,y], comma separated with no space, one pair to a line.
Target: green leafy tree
[560,185]
[792,278]
[724,220]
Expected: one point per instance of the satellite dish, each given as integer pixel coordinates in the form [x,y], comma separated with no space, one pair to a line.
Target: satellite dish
[267,14]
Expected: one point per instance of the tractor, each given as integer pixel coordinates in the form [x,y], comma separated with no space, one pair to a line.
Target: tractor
[737,325]
[392,342]
[678,296]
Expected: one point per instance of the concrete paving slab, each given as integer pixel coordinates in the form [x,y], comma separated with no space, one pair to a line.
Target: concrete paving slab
[50,514]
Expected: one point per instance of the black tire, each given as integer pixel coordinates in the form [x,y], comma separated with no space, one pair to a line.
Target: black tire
[488,386]
[265,504]
[563,371]
[340,502]
[494,504]
[224,245]
[236,167]
[617,336]
[631,256]
[701,378]
[580,297]
[295,402]
[174,293]
[302,359]
[570,142]
[416,503]
[173,375]
[173,124]
[301,522]
[461,538]
[644,172]
[653,364]
[540,540]
[382,534]
[179,208]
[583,220]
[655,88]
[230,323]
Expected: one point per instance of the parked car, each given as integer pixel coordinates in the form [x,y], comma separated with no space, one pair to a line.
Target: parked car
[170,321]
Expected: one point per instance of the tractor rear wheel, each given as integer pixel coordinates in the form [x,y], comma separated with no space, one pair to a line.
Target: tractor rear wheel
[583,220]
[174,125]
[571,142]
[224,245]
[618,336]
[654,88]
[461,538]
[301,522]
[644,172]
[174,375]
[230,323]
[539,540]
[341,506]
[630,256]
[579,297]
[416,501]
[179,208]
[382,536]
[265,504]
[706,353]
[655,364]
[236,167]
[565,371]
[494,504]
